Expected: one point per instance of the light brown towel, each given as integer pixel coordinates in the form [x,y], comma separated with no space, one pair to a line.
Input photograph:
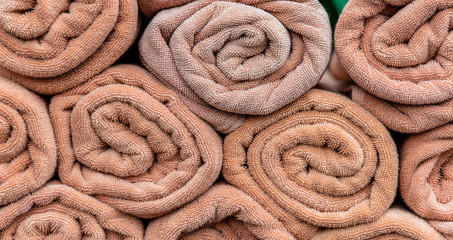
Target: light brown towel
[125,138]
[396,223]
[226,58]
[321,161]
[405,118]
[426,181]
[28,152]
[151,7]
[60,212]
[400,53]
[223,212]
[51,46]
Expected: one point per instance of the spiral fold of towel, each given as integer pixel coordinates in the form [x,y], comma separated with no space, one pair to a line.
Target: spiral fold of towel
[129,141]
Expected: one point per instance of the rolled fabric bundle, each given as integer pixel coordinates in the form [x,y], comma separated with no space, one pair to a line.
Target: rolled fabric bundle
[57,211]
[51,46]
[223,212]
[28,152]
[227,59]
[396,223]
[322,161]
[129,141]
[151,7]
[427,174]
[404,118]
[400,53]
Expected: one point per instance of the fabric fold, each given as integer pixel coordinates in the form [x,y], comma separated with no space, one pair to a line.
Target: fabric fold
[322,161]
[28,152]
[232,58]
[151,7]
[223,212]
[426,176]
[51,46]
[57,211]
[396,223]
[404,118]
[399,53]
[129,141]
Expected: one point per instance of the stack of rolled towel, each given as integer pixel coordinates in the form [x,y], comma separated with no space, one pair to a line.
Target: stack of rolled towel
[224,131]
[399,55]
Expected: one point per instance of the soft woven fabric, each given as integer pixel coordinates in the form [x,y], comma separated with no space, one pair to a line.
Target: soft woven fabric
[226,58]
[151,7]
[322,161]
[396,223]
[223,212]
[400,53]
[128,140]
[50,46]
[28,152]
[59,212]
[426,181]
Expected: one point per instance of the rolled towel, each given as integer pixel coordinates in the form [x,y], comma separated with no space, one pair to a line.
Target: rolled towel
[400,53]
[223,212]
[151,7]
[51,46]
[322,161]
[405,118]
[28,152]
[226,58]
[426,181]
[396,223]
[57,211]
[129,141]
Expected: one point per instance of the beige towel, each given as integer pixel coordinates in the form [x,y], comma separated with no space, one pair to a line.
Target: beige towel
[59,212]
[129,141]
[226,58]
[322,161]
[405,118]
[396,223]
[28,153]
[400,53]
[151,7]
[51,46]
[426,181]
[223,212]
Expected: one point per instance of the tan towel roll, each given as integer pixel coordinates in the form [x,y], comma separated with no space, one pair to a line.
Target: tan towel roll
[230,58]
[128,140]
[322,161]
[59,212]
[426,181]
[223,212]
[396,223]
[151,7]
[28,152]
[50,46]
[399,52]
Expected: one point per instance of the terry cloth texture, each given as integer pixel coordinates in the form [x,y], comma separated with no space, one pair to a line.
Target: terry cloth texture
[400,53]
[59,212]
[223,212]
[50,46]
[226,58]
[151,7]
[322,161]
[396,223]
[125,138]
[426,181]
[28,152]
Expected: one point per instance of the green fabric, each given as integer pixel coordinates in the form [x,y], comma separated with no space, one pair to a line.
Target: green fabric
[333,8]
[331,11]
[339,5]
